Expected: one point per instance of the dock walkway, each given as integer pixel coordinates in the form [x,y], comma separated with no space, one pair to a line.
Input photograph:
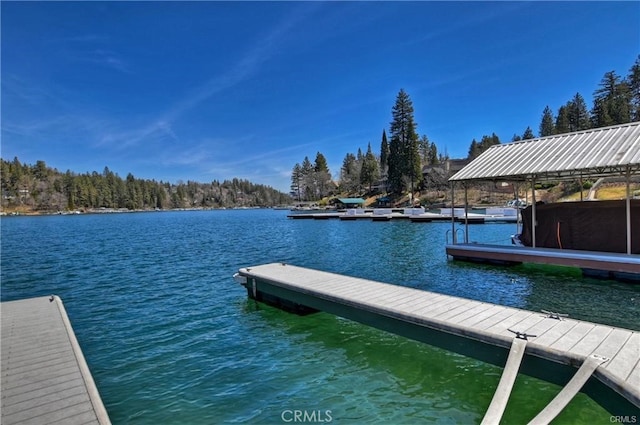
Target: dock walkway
[473,328]
[612,262]
[45,379]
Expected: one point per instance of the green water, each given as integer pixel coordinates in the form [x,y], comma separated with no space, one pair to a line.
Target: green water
[171,338]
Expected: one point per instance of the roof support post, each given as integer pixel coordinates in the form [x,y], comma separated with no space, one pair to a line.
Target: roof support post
[581,187]
[453,217]
[466,215]
[533,211]
[628,209]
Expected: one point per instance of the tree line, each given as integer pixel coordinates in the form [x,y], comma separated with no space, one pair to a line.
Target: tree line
[43,188]
[403,156]
[397,167]
[616,100]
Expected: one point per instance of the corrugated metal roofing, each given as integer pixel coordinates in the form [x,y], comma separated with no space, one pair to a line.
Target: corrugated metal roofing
[596,152]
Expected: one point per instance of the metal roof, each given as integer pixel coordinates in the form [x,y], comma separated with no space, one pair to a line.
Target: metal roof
[596,152]
[348,201]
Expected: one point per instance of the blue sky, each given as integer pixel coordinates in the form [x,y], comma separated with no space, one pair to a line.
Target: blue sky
[214,90]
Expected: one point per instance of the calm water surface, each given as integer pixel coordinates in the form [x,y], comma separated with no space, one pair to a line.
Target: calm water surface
[171,338]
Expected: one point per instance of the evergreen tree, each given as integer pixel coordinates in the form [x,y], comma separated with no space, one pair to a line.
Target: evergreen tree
[350,174]
[433,154]
[322,177]
[474,150]
[384,153]
[296,181]
[611,102]
[528,134]
[562,121]
[404,159]
[516,138]
[424,146]
[307,179]
[370,172]
[633,80]
[547,125]
[321,164]
[578,115]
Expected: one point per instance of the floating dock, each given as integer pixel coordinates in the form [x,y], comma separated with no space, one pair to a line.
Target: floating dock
[605,264]
[554,346]
[45,378]
[415,215]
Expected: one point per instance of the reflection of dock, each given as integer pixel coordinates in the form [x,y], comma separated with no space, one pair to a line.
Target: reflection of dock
[553,345]
[45,378]
[625,266]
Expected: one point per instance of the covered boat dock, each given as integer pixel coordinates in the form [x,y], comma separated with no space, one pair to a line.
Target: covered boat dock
[589,154]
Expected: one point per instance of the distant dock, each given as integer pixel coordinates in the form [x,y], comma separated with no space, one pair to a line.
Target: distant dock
[45,378]
[415,215]
[608,358]
[599,264]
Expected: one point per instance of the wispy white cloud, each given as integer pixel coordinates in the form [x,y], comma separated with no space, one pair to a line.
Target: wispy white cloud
[266,46]
[91,48]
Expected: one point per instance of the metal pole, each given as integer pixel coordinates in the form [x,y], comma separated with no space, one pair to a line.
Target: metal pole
[453,222]
[466,216]
[517,191]
[628,210]
[581,188]
[533,212]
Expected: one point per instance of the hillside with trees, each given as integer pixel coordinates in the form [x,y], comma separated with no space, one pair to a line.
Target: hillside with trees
[40,188]
[399,167]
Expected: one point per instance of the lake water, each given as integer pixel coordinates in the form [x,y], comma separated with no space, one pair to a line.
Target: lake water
[171,338]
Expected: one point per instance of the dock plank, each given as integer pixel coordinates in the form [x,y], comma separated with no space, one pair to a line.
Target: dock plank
[44,375]
[626,358]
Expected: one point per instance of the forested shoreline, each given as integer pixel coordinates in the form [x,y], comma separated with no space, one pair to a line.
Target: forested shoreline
[399,165]
[39,188]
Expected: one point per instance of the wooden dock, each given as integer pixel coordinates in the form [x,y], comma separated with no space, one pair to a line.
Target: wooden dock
[616,265]
[45,379]
[555,346]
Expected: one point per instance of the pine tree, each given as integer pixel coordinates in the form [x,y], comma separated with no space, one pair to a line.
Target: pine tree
[384,153]
[321,163]
[307,179]
[474,150]
[404,159]
[433,154]
[547,125]
[296,181]
[350,174]
[577,114]
[633,80]
[322,177]
[528,134]
[611,102]
[370,172]
[562,121]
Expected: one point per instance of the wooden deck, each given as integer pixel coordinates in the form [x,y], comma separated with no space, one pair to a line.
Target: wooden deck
[627,264]
[45,379]
[477,329]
